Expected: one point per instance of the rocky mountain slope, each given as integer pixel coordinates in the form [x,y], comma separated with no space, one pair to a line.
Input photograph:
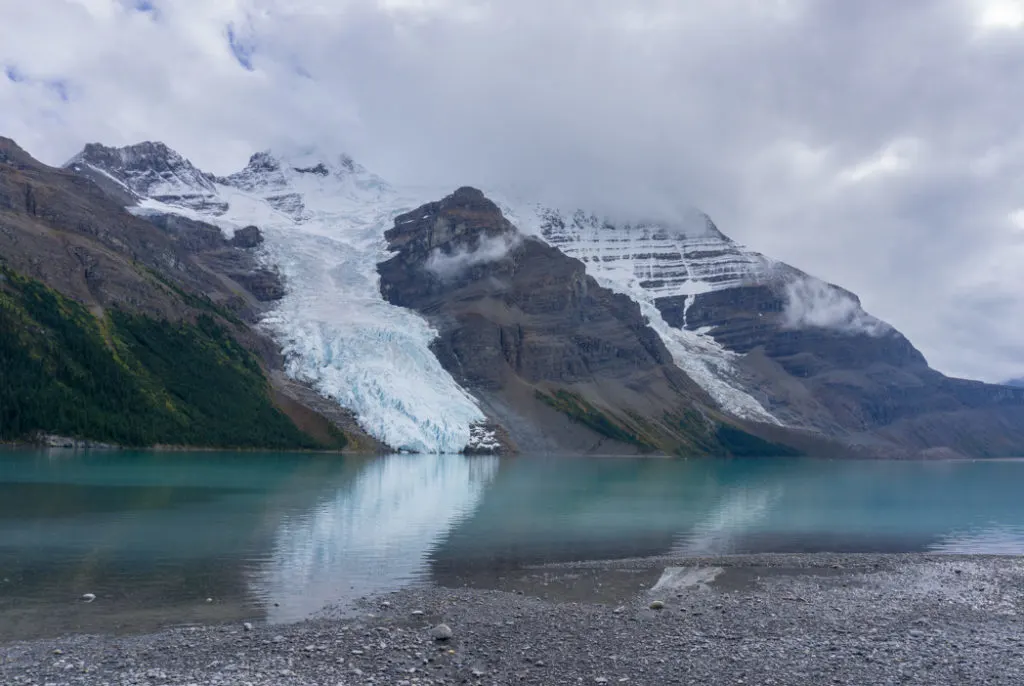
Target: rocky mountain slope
[552,356]
[549,329]
[804,348]
[118,329]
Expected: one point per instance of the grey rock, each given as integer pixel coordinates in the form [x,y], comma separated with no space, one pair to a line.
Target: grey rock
[247,237]
[441,632]
[264,284]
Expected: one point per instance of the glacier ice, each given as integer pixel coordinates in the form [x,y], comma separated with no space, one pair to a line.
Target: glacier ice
[323,220]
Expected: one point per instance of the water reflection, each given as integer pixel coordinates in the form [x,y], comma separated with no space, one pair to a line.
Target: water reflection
[551,510]
[739,510]
[266,536]
[371,536]
[278,537]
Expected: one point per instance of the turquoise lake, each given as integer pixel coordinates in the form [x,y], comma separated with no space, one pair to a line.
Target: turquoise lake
[279,537]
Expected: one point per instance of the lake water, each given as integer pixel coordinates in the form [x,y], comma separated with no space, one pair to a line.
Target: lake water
[278,537]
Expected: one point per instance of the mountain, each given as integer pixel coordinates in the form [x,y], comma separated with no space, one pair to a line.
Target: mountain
[806,349]
[550,354]
[117,329]
[1019,383]
[446,321]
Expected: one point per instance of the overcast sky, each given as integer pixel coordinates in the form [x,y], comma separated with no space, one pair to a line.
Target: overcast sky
[878,144]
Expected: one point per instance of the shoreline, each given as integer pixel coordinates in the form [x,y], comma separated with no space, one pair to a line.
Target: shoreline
[763,619]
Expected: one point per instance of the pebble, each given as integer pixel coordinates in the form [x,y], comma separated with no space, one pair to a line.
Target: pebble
[88,597]
[247,626]
[441,632]
[915,624]
[658,605]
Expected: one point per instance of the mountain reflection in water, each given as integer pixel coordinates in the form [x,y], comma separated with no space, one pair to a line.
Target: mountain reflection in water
[280,537]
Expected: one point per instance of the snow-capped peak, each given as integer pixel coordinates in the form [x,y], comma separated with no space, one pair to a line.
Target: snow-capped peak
[150,170]
[146,167]
[687,256]
[271,169]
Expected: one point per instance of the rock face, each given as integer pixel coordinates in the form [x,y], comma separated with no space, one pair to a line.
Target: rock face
[148,170]
[807,349]
[62,229]
[247,237]
[230,259]
[524,328]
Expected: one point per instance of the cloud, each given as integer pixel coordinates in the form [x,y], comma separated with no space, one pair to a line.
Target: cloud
[876,144]
[489,249]
[812,303]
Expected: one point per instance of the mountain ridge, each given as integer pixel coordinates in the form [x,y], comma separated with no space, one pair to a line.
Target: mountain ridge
[764,343]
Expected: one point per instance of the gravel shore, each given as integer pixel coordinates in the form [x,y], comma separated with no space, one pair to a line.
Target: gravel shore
[787,619]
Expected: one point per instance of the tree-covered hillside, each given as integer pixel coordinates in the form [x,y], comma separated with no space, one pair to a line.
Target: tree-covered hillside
[130,379]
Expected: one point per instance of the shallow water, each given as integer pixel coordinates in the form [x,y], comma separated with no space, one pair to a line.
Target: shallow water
[279,537]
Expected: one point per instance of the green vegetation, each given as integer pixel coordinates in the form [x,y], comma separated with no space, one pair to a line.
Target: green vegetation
[145,382]
[738,443]
[579,410]
[199,302]
[723,440]
[687,434]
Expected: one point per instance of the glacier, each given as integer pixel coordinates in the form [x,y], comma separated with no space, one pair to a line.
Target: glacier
[323,219]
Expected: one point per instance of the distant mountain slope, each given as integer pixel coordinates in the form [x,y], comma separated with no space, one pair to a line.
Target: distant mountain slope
[804,348]
[114,330]
[1019,383]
